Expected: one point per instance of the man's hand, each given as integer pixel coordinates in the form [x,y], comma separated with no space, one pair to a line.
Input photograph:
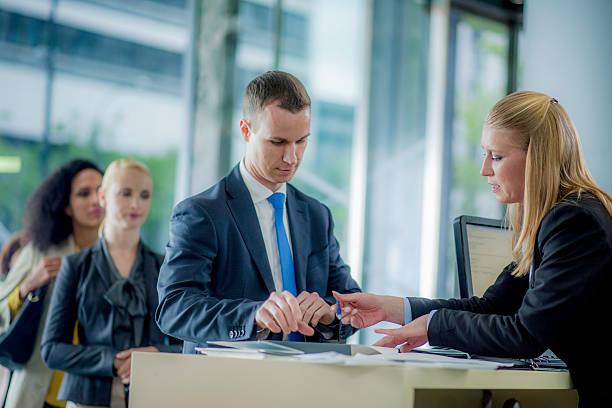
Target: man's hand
[45,271]
[281,312]
[412,335]
[123,362]
[315,310]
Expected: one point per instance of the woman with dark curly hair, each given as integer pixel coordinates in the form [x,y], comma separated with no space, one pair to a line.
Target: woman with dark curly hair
[61,217]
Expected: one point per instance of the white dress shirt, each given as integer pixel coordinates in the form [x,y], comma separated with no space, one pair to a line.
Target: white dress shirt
[265,215]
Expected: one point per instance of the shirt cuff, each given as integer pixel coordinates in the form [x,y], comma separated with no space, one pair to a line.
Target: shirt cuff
[14,302]
[433,312]
[262,334]
[407,311]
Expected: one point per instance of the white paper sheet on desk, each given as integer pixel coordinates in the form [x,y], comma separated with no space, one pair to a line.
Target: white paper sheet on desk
[329,357]
[412,359]
[428,360]
[332,357]
[232,353]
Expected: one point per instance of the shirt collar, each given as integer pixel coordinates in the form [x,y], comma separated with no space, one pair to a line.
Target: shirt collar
[258,191]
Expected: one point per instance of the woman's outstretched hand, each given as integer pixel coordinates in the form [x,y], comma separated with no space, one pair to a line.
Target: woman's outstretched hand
[412,335]
[366,309]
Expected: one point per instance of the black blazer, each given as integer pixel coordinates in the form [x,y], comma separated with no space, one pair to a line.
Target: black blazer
[563,307]
[79,295]
[216,273]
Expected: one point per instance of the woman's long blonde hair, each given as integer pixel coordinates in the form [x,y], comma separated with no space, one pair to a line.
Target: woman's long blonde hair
[554,166]
[111,172]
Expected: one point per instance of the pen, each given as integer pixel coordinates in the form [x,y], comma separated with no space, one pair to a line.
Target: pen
[339,316]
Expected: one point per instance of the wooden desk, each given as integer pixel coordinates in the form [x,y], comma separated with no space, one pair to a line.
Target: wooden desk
[179,380]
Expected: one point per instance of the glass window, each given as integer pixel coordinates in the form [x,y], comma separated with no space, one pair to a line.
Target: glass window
[396,151]
[326,54]
[478,77]
[100,94]
[21,30]
[257,24]
[294,34]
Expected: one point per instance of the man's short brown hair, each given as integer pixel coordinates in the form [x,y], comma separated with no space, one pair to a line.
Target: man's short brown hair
[274,86]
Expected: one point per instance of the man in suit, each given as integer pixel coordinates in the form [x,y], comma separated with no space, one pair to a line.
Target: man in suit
[253,257]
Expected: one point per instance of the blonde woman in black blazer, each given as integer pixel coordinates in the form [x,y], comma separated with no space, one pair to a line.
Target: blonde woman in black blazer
[555,293]
[110,289]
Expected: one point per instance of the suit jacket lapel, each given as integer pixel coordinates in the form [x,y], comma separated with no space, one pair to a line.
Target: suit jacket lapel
[242,209]
[299,227]
[99,262]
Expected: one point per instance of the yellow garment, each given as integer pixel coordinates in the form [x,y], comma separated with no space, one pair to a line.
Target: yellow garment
[58,376]
[14,302]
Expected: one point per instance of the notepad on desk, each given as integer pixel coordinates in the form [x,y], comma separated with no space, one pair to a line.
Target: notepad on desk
[264,348]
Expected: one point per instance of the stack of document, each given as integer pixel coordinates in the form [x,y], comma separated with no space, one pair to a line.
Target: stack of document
[341,354]
[248,349]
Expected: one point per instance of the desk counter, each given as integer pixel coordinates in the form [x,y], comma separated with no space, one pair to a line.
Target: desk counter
[181,380]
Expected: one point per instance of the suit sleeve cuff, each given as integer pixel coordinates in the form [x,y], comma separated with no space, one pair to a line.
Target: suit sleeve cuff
[261,334]
[431,315]
[407,311]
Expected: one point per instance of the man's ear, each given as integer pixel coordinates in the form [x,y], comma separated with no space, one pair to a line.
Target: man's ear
[245,131]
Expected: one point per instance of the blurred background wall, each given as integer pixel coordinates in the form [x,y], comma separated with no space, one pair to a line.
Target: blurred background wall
[399,88]
[567,54]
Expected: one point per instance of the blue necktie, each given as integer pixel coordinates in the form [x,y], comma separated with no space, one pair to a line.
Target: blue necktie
[286,261]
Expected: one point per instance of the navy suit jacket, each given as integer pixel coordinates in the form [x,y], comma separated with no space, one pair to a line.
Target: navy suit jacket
[563,307]
[216,272]
[79,295]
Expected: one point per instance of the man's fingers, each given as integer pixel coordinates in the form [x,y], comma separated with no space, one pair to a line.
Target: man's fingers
[291,309]
[309,313]
[294,307]
[315,308]
[305,329]
[266,320]
[281,312]
[324,310]
[278,315]
[307,302]
[302,296]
